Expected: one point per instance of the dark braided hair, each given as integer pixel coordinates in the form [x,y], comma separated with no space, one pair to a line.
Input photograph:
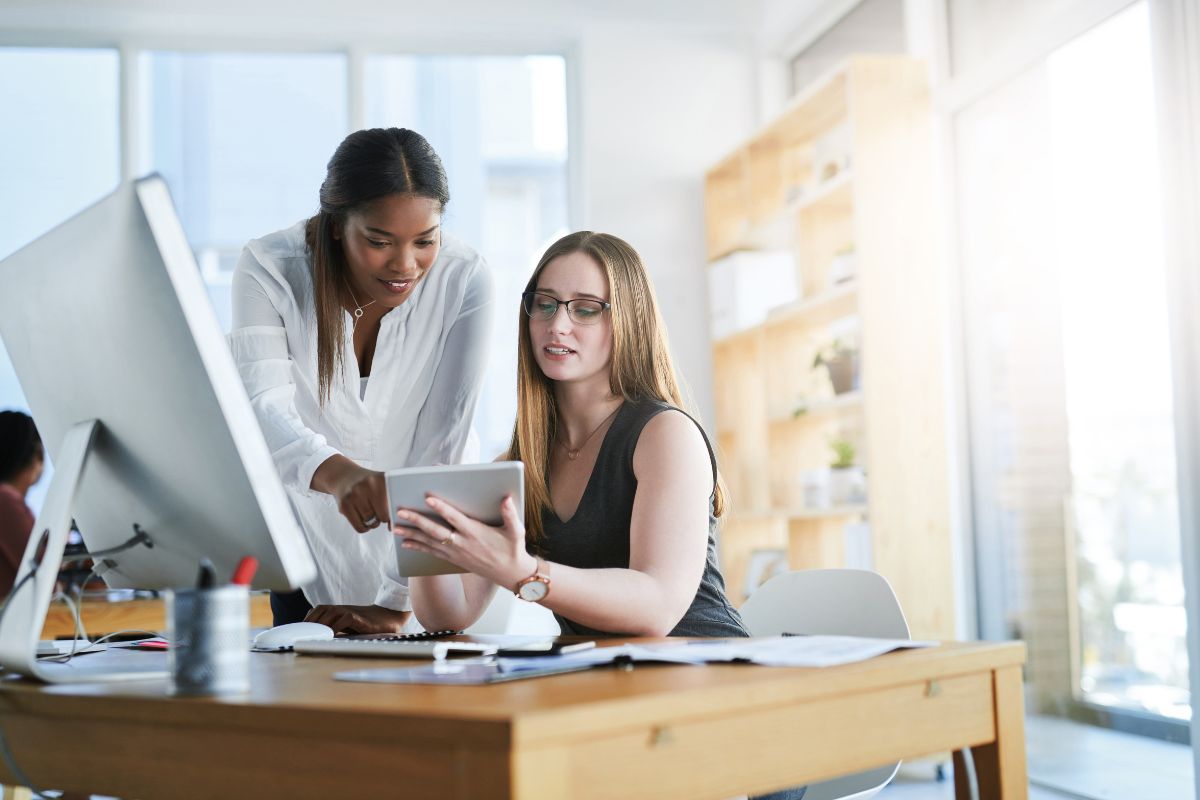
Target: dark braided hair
[19,444]
[366,166]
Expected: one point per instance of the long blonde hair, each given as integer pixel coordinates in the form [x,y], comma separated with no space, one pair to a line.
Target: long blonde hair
[640,367]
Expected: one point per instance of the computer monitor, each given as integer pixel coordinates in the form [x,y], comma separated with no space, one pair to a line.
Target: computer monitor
[140,406]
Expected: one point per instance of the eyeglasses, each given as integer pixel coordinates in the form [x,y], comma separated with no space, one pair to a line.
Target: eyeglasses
[581,310]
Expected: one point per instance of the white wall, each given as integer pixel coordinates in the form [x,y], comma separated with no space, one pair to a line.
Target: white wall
[662,90]
[655,114]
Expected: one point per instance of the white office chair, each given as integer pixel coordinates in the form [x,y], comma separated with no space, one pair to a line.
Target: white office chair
[507,614]
[835,602]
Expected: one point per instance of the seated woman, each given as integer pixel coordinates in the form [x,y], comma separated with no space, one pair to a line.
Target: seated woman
[22,461]
[622,492]
[622,489]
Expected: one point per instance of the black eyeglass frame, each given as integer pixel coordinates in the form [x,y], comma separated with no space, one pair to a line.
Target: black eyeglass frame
[604,306]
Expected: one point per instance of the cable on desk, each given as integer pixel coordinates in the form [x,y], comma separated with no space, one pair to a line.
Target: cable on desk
[66,657]
[76,607]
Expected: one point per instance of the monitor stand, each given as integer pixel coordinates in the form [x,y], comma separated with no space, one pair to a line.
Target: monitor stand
[25,611]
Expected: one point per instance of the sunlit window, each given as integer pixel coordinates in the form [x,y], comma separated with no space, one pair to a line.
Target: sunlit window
[242,140]
[59,152]
[500,125]
[1108,241]
[1069,376]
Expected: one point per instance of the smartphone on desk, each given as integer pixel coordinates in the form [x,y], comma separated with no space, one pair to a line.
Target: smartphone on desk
[543,648]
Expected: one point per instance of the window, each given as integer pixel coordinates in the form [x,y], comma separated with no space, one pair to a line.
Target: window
[242,140]
[1068,367]
[59,152]
[500,125]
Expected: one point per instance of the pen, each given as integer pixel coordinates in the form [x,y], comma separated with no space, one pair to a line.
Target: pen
[244,572]
[208,575]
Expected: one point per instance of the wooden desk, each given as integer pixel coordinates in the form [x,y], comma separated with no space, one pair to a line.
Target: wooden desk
[651,732]
[103,616]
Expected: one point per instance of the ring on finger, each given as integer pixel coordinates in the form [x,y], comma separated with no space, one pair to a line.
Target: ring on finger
[448,540]
[371,521]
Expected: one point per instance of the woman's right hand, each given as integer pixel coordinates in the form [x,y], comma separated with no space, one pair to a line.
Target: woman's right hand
[361,493]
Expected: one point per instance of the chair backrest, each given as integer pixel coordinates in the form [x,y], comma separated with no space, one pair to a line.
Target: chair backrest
[833,602]
[838,602]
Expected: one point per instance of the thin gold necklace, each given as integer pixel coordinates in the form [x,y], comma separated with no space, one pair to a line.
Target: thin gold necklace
[573,452]
[358,309]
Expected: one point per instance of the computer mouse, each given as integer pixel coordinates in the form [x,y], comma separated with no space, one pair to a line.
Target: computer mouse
[283,637]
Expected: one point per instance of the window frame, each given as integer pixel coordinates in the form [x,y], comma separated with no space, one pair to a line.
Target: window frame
[355,47]
[1175,31]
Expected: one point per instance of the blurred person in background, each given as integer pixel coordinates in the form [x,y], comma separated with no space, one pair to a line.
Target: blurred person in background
[22,460]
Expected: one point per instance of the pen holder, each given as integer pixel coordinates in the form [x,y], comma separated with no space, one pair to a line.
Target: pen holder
[209,631]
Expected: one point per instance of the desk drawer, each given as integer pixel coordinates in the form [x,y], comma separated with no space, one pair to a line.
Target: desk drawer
[717,757]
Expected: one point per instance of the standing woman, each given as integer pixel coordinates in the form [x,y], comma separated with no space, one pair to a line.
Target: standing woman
[361,337]
[622,489]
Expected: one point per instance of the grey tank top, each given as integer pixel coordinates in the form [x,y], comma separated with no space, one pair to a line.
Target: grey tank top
[597,536]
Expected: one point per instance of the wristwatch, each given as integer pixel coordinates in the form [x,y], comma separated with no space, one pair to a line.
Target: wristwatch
[535,588]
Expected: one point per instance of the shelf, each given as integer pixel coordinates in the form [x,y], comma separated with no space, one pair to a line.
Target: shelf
[855,510]
[833,512]
[822,309]
[772,230]
[850,401]
[871,120]
[841,301]
[834,192]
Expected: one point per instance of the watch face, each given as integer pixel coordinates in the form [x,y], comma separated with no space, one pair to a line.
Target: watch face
[533,591]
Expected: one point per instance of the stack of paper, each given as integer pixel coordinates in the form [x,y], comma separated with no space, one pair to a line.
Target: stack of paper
[773,651]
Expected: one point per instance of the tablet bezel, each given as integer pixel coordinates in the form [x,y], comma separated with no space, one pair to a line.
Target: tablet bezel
[475,489]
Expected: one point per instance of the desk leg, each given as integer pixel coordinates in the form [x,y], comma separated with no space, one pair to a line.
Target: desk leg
[1000,766]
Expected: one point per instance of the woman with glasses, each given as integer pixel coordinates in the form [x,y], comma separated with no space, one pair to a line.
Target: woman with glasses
[622,490]
[361,337]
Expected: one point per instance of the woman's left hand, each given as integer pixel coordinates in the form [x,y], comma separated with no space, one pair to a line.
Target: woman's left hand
[495,553]
[359,619]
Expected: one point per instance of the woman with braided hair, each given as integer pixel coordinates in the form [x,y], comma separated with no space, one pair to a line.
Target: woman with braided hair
[22,460]
[361,337]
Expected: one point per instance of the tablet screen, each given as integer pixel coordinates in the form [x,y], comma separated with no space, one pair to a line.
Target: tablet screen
[475,489]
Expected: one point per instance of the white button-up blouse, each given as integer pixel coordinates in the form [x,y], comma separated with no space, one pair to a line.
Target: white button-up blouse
[416,409]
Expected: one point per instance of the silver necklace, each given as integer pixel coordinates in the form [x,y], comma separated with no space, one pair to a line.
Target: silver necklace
[358,309]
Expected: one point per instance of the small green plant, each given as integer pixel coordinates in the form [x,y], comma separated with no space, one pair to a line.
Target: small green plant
[843,454]
[833,352]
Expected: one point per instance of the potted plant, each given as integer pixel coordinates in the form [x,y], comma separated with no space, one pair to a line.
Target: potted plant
[847,481]
[840,360]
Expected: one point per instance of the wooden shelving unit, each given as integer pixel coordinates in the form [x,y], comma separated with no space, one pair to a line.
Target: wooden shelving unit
[782,190]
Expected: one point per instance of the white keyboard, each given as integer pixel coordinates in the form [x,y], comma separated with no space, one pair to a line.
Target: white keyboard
[394,647]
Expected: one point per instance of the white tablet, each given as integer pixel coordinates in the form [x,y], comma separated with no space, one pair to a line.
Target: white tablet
[475,489]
